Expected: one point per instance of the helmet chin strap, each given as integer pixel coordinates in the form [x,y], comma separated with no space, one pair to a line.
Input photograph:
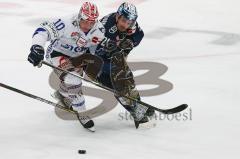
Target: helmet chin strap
[117,17]
[78,22]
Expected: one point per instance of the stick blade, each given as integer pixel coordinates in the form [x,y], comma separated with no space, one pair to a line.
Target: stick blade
[175,110]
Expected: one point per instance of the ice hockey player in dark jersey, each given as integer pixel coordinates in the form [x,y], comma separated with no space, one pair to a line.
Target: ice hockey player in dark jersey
[122,34]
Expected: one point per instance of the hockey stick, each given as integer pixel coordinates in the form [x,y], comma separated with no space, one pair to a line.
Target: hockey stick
[164,111]
[39,98]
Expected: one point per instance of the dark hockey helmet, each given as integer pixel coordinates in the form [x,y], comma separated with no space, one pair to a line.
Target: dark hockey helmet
[128,10]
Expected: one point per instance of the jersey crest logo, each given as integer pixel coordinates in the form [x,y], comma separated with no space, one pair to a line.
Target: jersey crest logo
[75,36]
[113,29]
[81,42]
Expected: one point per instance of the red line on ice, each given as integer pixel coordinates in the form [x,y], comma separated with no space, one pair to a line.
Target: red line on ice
[10,5]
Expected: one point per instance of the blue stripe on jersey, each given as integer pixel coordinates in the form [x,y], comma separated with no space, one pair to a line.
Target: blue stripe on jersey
[38,30]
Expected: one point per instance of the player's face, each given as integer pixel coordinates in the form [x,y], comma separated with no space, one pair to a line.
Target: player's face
[123,24]
[86,25]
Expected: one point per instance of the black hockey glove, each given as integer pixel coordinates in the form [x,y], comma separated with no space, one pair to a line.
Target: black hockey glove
[36,55]
[126,45]
[109,45]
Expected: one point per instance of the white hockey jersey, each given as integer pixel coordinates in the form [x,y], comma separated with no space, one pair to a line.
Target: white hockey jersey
[66,37]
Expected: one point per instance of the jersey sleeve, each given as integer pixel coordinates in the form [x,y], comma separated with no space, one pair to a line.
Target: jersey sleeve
[47,31]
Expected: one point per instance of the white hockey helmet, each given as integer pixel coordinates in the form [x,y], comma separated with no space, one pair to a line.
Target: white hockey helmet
[88,11]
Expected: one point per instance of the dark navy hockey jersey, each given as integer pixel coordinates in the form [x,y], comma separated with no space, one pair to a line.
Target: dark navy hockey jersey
[109,22]
[135,33]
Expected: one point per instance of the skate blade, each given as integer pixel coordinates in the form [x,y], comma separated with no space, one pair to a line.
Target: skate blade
[92,129]
[147,125]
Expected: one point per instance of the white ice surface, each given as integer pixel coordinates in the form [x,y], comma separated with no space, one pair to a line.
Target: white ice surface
[203,67]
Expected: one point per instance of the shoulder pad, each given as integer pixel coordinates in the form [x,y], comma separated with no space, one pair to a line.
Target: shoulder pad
[52,30]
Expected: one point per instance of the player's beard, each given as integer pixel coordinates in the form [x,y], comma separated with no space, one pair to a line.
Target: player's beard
[121,28]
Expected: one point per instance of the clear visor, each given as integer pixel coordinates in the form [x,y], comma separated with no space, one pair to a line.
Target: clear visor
[87,18]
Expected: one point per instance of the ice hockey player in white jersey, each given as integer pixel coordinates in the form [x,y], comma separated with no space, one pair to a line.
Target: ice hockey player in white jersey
[69,37]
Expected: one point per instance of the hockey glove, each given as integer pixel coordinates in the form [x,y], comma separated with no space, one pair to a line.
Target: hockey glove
[109,45]
[36,55]
[126,45]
